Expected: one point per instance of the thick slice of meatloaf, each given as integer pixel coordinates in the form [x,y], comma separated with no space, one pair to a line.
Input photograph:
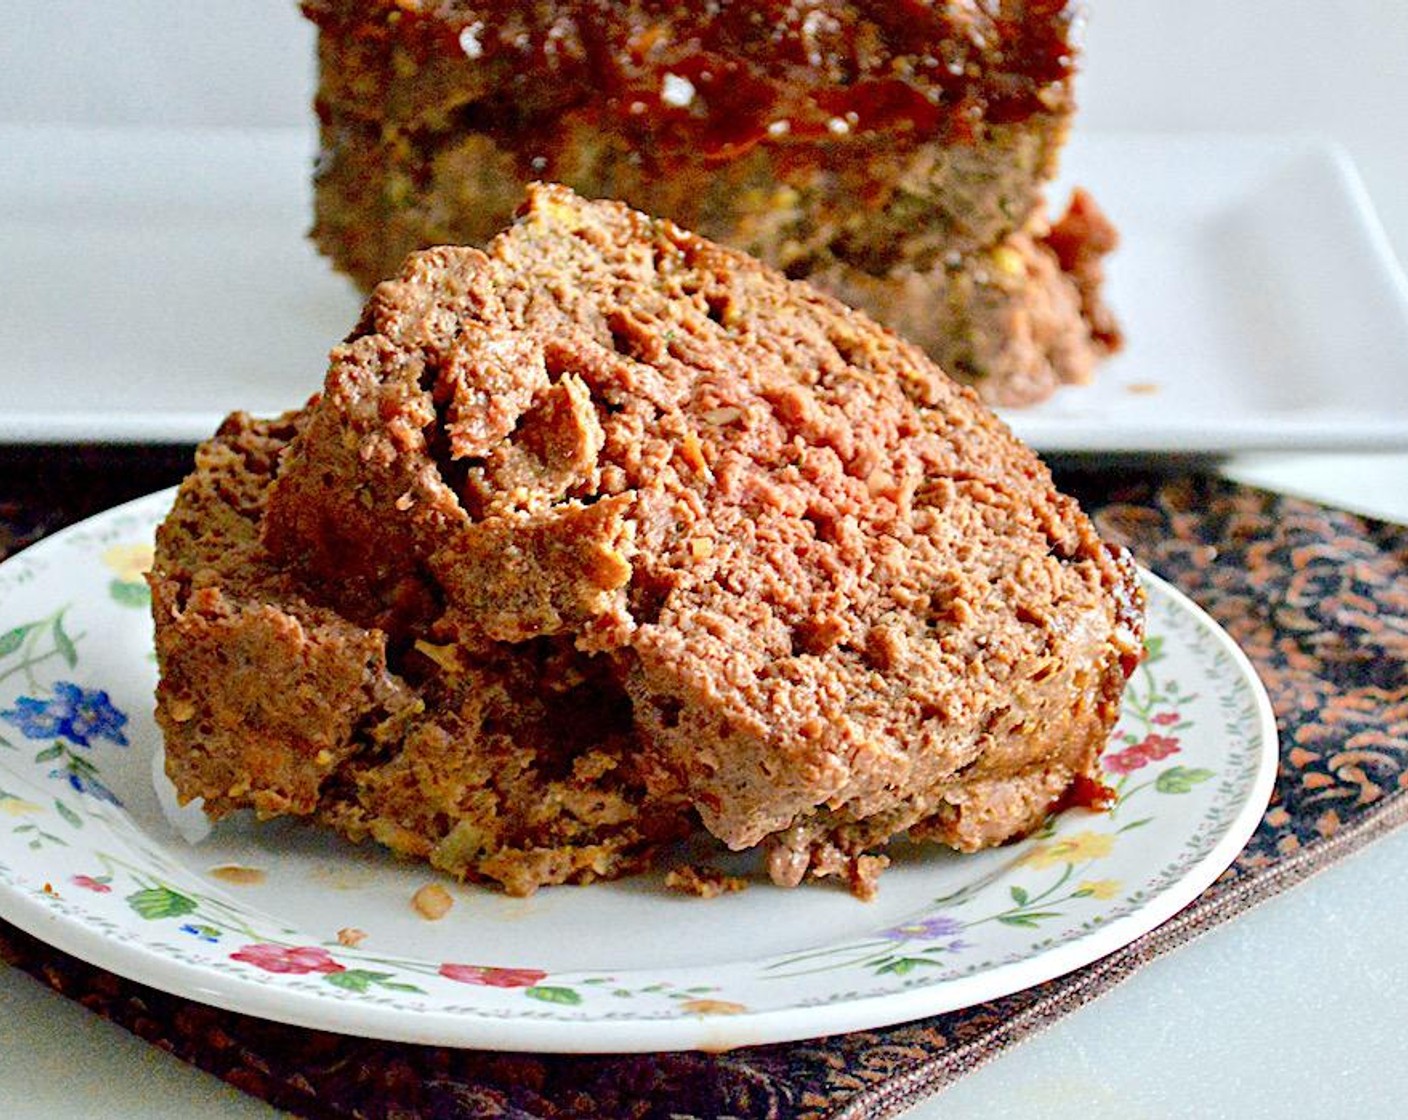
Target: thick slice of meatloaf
[838,140]
[835,596]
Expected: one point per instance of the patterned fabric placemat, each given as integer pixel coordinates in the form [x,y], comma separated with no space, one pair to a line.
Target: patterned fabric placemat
[1317,598]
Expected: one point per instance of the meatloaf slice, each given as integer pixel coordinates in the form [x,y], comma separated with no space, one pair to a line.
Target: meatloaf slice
[888,148]
[610,495]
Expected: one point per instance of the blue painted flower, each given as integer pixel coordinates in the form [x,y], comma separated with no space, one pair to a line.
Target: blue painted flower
[77,714]
[84,781]
[925,929]
[205,933]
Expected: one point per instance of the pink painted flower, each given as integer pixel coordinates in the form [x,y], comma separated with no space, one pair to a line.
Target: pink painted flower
[493,977]
[88,883]
[1125,761]
[1158,746]
[1167,719]
[279,958]
[1150,749]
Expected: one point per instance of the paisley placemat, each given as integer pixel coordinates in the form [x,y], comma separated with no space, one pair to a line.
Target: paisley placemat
[1318,599]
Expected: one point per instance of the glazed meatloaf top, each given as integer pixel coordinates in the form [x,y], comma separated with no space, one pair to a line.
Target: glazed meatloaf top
[703,75]
[833,585]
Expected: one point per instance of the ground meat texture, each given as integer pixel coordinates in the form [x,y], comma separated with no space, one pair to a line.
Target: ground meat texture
[650,535]
[702,882]
[884,151]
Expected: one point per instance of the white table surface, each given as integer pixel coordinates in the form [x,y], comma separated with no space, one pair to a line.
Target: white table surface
[1294,1009]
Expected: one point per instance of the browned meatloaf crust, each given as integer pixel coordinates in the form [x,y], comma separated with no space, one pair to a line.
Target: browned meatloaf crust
[884,150]
[607,527]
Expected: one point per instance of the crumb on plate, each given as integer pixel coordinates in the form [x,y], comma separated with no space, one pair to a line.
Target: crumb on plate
[432,902]
[703,882]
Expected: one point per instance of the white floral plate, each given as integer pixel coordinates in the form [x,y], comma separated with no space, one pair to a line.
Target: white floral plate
[291,924]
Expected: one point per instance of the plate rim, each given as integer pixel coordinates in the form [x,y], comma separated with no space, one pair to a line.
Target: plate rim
[43,916]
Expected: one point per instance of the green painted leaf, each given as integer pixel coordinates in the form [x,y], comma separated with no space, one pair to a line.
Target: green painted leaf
[1180,779]
[63,643]
[397,986]
[1028,918]
[129,594]
[1016,920]
[161,902]
[11,640]
[906,965]
[1134,824]
[1019,896]
[550,994]
[68,814]
[356,979]
[1153,648]
[48,754]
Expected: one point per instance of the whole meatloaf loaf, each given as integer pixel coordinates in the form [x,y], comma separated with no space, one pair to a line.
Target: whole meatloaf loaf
[606,531]
[893,153]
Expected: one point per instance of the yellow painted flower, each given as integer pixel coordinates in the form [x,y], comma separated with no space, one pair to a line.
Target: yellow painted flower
[129,562]
[18,807]
[1071,849]
[712,1007]
[1099,888]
